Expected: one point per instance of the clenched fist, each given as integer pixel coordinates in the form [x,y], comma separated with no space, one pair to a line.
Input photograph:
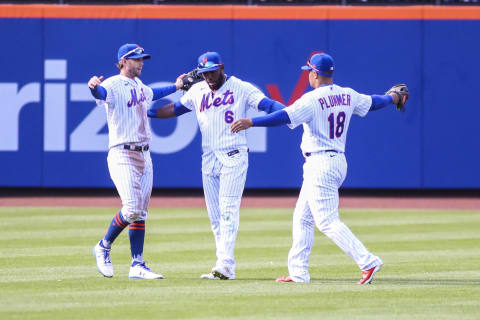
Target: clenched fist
[94,81]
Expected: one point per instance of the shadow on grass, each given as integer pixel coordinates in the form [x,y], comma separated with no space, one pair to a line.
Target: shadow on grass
[386,281]
[409,282]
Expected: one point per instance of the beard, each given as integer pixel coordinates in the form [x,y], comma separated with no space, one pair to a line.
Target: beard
[218,83]
[136,72]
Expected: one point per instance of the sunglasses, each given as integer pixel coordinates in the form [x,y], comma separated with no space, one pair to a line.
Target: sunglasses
[208,64]
[136,51]
[312,66]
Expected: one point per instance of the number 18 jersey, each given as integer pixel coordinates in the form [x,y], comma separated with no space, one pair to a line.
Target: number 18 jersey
[325,113]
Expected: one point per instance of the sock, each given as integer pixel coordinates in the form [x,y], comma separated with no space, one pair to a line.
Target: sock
[136,233]
[116,226]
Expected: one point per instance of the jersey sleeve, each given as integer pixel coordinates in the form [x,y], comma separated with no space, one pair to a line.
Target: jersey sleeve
[108,84]
[361,103]
[253,94]
[187,100]
[299,112]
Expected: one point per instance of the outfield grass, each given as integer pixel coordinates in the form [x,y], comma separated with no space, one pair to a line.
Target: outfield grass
[47,270]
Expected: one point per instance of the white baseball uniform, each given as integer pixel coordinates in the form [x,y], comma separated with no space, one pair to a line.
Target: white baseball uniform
[132,172]
[325,113]
[224,158]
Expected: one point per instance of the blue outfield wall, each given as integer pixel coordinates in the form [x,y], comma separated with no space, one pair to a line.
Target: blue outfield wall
[52,134]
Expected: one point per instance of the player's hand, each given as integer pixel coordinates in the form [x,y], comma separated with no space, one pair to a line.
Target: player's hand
[94,81]
[241,124]
[179,81]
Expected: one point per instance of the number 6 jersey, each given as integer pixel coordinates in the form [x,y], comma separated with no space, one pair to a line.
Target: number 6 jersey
[216,111]
[325,113]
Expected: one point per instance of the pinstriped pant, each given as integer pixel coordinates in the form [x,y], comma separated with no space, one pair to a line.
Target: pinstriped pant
[317,205]
[223,188]
[132,174]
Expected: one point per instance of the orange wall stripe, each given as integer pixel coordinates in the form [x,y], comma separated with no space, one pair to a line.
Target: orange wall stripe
[185,12]
[89,12]
[281,12]
[452,13]
[377,13]
[17,11]
[235,12]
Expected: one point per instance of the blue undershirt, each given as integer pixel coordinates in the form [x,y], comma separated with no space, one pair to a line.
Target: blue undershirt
[273,119]
[268,105]
[276,115]
[379,102]
[179,109]
[100,92]
[159,93]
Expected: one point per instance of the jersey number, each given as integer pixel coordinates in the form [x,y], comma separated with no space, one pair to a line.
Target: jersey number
[229,116]
[338,130]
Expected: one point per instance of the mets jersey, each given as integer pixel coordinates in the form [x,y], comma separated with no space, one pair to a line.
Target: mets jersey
[325,113]
[126,105]
[216,111]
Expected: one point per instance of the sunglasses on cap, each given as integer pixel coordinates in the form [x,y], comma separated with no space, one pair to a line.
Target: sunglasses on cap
[208,64]
[138,50]
[312,66]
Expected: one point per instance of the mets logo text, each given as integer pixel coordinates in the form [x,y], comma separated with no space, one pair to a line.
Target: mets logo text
[218,101]
[134,100]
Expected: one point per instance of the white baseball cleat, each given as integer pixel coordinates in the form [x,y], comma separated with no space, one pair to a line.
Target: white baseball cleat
[223,273]
[141,271]
[219,273]
[209,276]
[102,257]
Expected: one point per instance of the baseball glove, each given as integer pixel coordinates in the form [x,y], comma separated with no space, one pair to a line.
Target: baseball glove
[190,79]
[401,90]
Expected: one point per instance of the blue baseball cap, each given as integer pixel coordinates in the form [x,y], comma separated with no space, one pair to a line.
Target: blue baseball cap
[209,61]
[132,51]
[321,63]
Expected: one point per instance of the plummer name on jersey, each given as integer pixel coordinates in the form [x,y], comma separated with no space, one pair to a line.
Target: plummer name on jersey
[334,101]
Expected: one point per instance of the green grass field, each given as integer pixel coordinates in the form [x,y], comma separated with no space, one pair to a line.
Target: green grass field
[47,270]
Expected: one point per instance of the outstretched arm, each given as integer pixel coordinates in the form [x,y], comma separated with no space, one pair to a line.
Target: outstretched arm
[269,105]
[159,93]
[276,118]
[379,102]
[98,92]
[168,111]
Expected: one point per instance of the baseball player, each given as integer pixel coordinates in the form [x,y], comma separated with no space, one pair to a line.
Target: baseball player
[325,114]
[218,101]
[126,100]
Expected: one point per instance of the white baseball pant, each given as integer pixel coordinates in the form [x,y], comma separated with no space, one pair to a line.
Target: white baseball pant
[132,174]
[223,188]
[323,174]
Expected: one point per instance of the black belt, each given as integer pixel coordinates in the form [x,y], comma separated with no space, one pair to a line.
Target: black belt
[231,153]
[136,148]
[308,154]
